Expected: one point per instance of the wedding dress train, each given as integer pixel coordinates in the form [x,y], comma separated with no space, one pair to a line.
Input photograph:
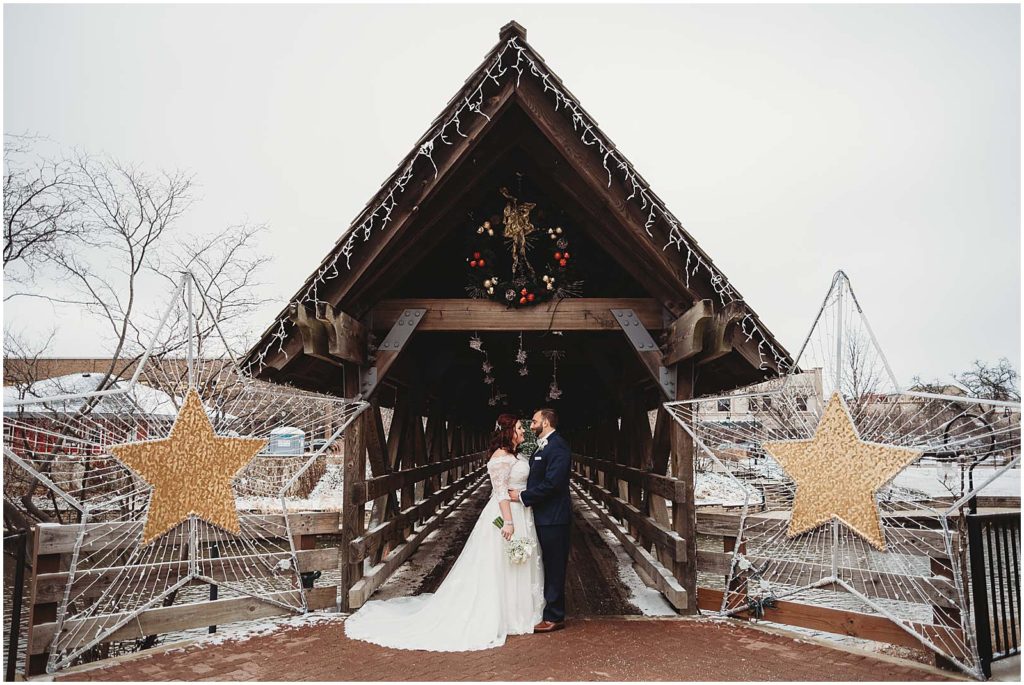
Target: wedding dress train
[485,596]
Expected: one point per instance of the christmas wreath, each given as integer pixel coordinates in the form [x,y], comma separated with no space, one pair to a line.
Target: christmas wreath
[524,287]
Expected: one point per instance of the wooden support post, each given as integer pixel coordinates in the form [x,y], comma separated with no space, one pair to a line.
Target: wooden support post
[684,515]
[947,616]
[384,506]
[42,612]
[353,517]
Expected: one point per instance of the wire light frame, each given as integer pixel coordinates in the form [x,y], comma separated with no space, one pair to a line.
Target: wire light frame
[57,455]
[919,576]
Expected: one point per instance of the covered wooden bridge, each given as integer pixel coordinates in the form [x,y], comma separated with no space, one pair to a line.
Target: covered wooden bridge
[516,259]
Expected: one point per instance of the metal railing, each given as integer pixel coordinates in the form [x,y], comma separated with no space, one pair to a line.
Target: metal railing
[994,541]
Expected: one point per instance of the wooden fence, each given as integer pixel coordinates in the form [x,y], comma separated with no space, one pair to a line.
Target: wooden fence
[619,495]
[926,543]
[50,559]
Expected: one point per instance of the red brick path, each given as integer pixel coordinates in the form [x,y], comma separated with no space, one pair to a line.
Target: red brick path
[589,649]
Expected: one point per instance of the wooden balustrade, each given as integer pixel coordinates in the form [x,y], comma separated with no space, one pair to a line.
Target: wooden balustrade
[939,593]
[54,545]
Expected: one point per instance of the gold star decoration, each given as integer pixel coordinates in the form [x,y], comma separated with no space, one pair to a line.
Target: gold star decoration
[190,471]
[837,474]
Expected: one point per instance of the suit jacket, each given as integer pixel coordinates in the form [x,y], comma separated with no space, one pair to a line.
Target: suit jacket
[547,488]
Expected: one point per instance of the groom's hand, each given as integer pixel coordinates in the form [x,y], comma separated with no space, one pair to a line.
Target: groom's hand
[513,495]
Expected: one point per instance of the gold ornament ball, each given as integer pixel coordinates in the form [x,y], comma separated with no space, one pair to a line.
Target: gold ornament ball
[558,230]
[490,291]
[480,230]
[546,278]
[551,286]
[490,231]
[487,283]
[487,224]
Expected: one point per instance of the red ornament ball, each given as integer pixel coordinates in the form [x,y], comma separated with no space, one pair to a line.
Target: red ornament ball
[558,255]
[530,297]
[482,262]
[522,300]
[476,255]
[523,291]
[562,262]
[473,263]
[565,254]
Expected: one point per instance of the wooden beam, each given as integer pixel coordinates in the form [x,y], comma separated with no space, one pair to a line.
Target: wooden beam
[939,591]
[353,515]
[718,340]
[910,541]
[572,314]
[684,514]
[93,582]
[686,334]
[670,488]
[61,539]
[346,335]
[175,618]
[313,332]
[851,623]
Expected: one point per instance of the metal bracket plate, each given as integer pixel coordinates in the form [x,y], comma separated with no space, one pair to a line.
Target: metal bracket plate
[393,343]
[644,344]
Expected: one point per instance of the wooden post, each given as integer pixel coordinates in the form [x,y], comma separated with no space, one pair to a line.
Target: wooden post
[684,514]
[44,612]
[353,518]
[948,617]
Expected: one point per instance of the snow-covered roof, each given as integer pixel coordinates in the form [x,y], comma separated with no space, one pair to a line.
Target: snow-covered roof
[137,399]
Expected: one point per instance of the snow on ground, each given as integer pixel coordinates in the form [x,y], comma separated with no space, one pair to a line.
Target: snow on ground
[719,488]
[931,479]
[240,632]
[325,496]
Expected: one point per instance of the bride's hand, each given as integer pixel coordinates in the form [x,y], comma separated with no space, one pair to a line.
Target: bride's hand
[507,530]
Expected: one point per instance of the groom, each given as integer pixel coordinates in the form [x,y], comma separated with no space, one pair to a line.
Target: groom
[547,493]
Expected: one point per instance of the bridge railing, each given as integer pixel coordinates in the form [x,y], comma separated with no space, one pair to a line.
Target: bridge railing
[49,558]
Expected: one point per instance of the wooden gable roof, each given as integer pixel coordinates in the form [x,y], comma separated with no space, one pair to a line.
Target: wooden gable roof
[514,101]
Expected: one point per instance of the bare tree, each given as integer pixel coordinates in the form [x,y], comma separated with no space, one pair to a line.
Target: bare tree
[127,220]
[23,360]
[863,372]
[40,206]
[992,382]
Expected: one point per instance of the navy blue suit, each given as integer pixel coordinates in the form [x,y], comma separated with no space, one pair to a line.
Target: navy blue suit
[547,494]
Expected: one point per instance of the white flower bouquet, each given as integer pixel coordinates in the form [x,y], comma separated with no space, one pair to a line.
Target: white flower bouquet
[519,550]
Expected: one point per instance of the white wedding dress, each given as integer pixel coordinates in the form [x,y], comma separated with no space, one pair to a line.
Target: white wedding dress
[485,596]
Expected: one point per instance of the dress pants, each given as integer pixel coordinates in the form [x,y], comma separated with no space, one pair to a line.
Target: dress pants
[554,548]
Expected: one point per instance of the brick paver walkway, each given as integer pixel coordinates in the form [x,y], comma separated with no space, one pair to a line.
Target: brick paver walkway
[589,649]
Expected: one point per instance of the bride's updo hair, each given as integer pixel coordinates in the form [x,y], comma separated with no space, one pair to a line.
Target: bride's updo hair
[504,434]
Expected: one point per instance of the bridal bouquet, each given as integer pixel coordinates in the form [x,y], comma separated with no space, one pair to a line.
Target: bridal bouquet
[519,550]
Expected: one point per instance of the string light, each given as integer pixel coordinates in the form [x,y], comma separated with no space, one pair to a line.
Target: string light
[514,58]
[920,566]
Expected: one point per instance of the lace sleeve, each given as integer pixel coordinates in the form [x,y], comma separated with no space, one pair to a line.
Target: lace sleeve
[499,469]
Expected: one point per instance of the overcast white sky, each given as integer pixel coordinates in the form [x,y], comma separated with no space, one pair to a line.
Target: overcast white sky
[791,141]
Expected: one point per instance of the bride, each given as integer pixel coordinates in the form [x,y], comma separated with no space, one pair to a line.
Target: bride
[485,596]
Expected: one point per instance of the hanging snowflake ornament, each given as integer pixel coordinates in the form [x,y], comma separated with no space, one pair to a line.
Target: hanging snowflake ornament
[554,392]
[175,476]
[476,343]
[858,480]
